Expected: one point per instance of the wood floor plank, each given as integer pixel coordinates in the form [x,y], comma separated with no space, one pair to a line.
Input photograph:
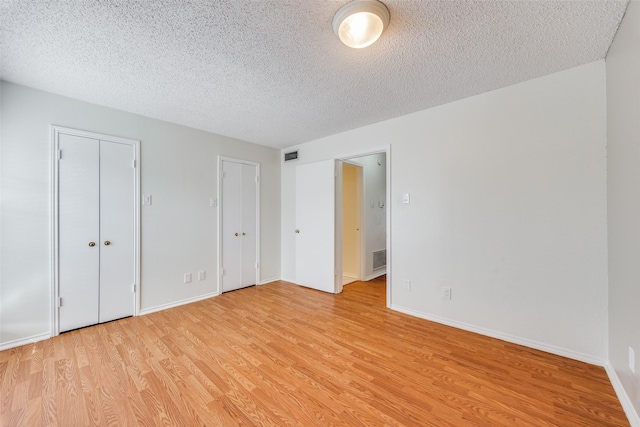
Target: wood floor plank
[284,355]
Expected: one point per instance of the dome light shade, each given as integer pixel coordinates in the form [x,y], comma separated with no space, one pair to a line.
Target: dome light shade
[360,23]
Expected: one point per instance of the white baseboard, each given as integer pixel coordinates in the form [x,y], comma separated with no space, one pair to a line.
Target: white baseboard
[627,405]
[288,279]
[375,274]
[506,337]
[24,341]
[265,281]
[176,303]
[347,279]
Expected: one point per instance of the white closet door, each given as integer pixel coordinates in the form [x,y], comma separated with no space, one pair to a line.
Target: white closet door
[231,202]
[315,226]
[78,225]
[249,189]
[117,230]
[239,225]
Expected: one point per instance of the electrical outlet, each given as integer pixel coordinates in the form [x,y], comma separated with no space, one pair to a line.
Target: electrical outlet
[632,359]
[202,274]
[446,292]
[187,277]
[407,285]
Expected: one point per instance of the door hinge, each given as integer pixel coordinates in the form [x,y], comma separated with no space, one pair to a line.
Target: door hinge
[59,302]
[222,271]
[134,163]
[222,175]
[58,154]
[134,288]
[257,178]
[257,265]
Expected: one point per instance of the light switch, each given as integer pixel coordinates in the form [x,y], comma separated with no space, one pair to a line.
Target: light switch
[201,275]
[406,198]
[146,199]
[213,202]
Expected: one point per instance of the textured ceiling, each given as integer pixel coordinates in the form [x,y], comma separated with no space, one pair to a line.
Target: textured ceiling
[272,71]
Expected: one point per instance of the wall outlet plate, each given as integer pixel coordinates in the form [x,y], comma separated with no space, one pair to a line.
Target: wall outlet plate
[187,278]
[406,285]
[446,292]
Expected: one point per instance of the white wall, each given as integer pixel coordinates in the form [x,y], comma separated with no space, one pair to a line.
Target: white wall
[350,220]
[623,149]
[508,207]
[375,219]
[178,168]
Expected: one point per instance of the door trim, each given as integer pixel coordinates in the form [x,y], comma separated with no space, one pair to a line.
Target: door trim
[219,214]
[56,131]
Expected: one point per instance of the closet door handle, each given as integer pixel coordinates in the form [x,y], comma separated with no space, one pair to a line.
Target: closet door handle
[236,234]
[107,243]
[91,244]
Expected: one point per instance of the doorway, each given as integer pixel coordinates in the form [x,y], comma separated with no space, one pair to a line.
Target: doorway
[364,217]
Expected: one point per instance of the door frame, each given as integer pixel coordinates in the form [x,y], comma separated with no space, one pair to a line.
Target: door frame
[54,295]
[338,194]
[219,212]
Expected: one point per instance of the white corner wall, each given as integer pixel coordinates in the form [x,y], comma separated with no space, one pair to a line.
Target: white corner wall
[178,168]
[623,150]
[508,208]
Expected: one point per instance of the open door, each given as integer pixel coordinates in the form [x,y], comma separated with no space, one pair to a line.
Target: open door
[316,259]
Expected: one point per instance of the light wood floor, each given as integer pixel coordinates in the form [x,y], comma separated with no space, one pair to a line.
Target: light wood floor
[280,355]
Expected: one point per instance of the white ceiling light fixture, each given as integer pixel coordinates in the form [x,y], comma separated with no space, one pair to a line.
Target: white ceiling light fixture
[360,23]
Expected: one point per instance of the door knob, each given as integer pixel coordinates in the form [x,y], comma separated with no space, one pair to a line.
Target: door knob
[107,243]
[92,244]
[236,234]
[244,234]
[297,231]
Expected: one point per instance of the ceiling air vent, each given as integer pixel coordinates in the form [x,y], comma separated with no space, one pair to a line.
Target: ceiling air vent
[291,156]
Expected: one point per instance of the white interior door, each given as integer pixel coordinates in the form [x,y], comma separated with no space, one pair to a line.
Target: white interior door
[315,226]
[231,198]
[117,231]
[78,227]
[249,237]
[95,232]
[238,225]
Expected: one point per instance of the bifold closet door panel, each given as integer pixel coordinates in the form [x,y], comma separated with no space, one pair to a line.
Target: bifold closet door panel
[231,226]
[78,226]
[117,230]
[249,189]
